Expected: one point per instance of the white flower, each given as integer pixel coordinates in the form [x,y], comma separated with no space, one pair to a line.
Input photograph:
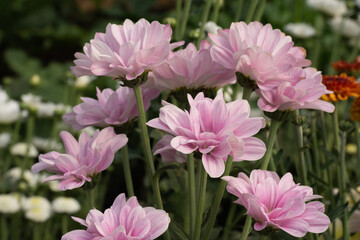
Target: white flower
[46,109]
[4,139]
[14,175]
[65,205]
[9,203]
[10,111]
[211,27]
[330,7]
[44,144]
[53,185]
[346,26]
[83,82]
[31,101]
[21,149]
[3,96]
[300,30]
[37,208]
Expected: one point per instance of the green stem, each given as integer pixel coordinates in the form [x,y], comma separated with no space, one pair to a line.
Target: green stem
[4,227]
[201,203]
[178,20]
[216,203]
[54,133]
[90,193]
[29,134]
[215,14]
[336,127]
[316,52]
[229,222]
[260,10]
[238,10]
[247,228]
[246,93]
[127,171]
[64,224]
[335,49]
[301,155]
[192,191]
[263,237]
[298,10]
[185,18]
[357,139]
[36,232]
[270,143]
[204,18]
[251,11]
[144,131]
[342,181]
[315,147]
[355,50]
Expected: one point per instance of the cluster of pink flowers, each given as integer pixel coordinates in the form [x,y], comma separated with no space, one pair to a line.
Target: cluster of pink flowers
[268,57]
[211,127]
[278,203]
[214,128]
[123,220]
[83,160]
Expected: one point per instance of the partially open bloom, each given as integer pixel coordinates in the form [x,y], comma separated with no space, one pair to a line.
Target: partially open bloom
[123,220]
[260,53]
[214,128]
[343,87]
[65,205]
[83,160]
[191,69]
[125,51]
[111,108]
[301,94]
[278,203]
[343,66]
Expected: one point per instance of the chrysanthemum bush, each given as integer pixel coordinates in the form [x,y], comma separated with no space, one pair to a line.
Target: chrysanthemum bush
[278,185]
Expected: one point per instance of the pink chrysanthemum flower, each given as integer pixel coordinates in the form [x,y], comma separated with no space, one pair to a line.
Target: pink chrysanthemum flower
[259,52]
[214,128]
[167,152]
[191,69]
[125,51]
[124,220]
[110,108]
[83,160]
[301,94]
[278,203]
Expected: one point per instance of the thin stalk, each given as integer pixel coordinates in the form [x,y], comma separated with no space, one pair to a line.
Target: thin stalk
[53,132]
[315,147]
[260,10]
[36,232]
[186,213]
[201,203]
[335,50]
[4,227]
[64,224]
[238,10]
[335,123]
[298,10]
[355,50]
[357,139]
[29,134]
[270,143]
[185,18]
[342,181]
[263,237]
[319,26]
[216,203]
[204,18]
[127,171]
[246,93]
[178,20]
[229,222]
[247,228]
[192,192]
[215,14]
[90,194]
[251,11]
[301,155]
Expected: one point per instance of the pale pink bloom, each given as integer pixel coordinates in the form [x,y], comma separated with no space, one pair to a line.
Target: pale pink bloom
[167,152]
[82,160]
[259,52]
[214,128]
[278,203]
[124,220]
[301,93]
[191,69]
[110,108]
[125,51]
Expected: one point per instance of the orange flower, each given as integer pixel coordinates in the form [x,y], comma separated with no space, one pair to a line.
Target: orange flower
[343,86]
[355,110]
[347,67]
